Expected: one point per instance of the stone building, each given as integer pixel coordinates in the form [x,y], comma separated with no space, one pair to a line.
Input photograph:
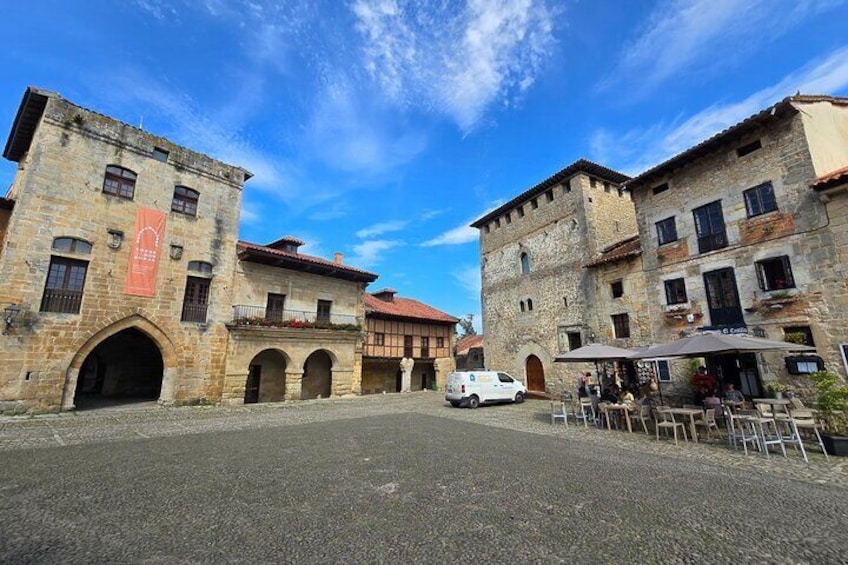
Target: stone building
[470,353]
[118,259]
[296,329]
[735,239]
[405,336]
[538,299]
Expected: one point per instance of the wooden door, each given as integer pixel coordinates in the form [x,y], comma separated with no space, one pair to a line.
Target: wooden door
[723,298]
[251,389]
[535,374]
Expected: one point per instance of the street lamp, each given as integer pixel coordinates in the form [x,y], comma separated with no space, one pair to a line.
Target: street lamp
[10,313]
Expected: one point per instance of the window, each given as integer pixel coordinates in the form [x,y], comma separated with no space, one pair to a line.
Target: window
[119,181]
[565,301]
[504,378]
[275,307]
[323,312]
[65,284]
[200,267]
[663,372]
[550,195]
[529,304]
[617,289]
[185,200]
[799,334]
[621,325]
[521,305]
[575,340]
[71,245]
[566,186]
[775,273]
[804,364]
[407,346]
[196,300]
[520,211]
[709,223]
[379,339]
[748,148]
[425,346]
[525,263]
[760,200]
[675,291]
[534,204]
[159,155]
[440,342]
[659,189]
[666,231]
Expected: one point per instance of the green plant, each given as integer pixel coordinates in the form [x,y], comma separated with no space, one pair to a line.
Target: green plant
[780,294]
[775,386]
[799,338]
[832,402]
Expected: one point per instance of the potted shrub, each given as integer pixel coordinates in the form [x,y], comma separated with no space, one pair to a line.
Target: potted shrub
[776,389]
[832,405]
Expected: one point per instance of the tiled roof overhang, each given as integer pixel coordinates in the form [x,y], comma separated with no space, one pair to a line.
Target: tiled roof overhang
[26,121]
[303,263]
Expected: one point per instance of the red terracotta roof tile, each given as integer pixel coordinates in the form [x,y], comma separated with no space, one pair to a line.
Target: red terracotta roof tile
[467,343]
[406,308]
[624,249]
[834,178]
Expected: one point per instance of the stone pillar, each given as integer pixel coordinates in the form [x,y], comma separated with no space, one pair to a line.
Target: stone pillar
[169,381]
[342,382]
[70,389]
[233,393]
[443,366]
[406,365]
[294,384]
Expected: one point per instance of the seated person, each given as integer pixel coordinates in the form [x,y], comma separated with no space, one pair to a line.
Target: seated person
[733,395]
[609,396]
[626,397]
[712,401]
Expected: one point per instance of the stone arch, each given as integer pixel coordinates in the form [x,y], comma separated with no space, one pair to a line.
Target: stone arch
[267,376]
[318,368]
[533,349]
[114,326]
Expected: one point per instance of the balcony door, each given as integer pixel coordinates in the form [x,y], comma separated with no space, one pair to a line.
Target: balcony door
[723,298]
[275,306]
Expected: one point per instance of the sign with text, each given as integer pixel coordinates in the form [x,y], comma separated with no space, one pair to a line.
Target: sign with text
[144,253]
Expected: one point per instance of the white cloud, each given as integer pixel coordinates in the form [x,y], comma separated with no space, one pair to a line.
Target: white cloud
[370,253]
[381,228]
[685,37]
[468,277]
[638,149]
[463,233]
[455,62]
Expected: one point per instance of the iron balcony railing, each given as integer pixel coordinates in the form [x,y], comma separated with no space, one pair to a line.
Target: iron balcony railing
[63,301]
[244,315]
[194,312]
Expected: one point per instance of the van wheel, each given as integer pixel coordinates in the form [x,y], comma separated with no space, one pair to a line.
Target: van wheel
[473,402]
[455,403]
[519,397]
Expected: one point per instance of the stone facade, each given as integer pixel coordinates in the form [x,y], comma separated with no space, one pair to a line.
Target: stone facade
[535,287]
[779,146]
[58,193]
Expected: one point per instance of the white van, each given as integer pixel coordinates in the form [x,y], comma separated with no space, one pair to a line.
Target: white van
[472,388]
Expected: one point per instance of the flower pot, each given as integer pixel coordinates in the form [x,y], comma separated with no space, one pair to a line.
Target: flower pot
[836,445]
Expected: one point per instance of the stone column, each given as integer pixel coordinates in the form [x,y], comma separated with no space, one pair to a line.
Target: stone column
[294,384]
[406,365]
[70,388]
[234,386]
[169,378]
[342,382]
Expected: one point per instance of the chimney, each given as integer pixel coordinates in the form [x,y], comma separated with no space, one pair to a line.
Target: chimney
[337,258]
[386,295]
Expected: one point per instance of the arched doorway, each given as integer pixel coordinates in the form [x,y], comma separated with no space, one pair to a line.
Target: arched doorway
[317,376]
[535,374]
[124,368]
[266,378]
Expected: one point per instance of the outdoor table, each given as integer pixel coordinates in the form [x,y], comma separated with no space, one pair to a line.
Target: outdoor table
[691,412]
[625,410]
[775,402]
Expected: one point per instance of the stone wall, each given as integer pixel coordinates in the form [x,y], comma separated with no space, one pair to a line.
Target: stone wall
[58,193]
[559,236]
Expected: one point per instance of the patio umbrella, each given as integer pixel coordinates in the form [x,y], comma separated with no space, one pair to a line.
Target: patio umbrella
[716,344]
[593,353]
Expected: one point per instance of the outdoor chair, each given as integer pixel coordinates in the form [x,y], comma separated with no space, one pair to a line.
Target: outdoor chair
[766,429]
[707,421]
[804,419]
[745,431]
[558,412]
[665,421]
[606,416]
[584,411]
[796,404]
[734,433]
[693,406]
[641,414]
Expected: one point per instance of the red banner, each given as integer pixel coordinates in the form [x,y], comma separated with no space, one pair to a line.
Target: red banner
[144,253]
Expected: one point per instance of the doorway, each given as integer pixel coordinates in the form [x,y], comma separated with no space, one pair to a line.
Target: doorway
[741,370]
[317,376]
[723,298]
[125,368]
[535,374]
[266,377]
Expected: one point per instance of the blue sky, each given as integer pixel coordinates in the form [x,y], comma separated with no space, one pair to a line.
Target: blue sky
[382,128]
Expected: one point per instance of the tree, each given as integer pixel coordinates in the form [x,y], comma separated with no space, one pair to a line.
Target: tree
[466,325]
